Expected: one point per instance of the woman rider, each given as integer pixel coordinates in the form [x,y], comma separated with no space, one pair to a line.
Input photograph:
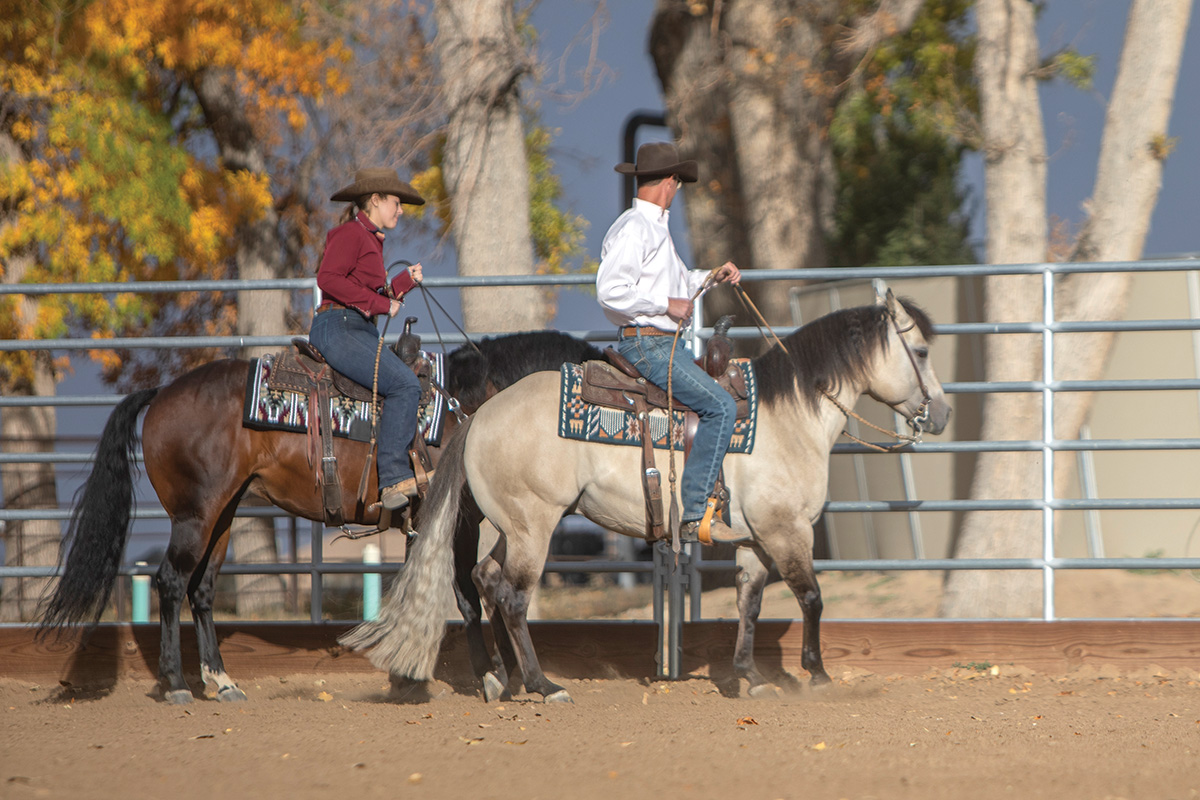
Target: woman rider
[355,291]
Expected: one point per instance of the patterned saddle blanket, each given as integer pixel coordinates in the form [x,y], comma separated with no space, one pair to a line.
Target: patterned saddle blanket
[585,421]
[281,405]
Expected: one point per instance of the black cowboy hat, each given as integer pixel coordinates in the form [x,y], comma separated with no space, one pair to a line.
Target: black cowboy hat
[379,180]
[658,160]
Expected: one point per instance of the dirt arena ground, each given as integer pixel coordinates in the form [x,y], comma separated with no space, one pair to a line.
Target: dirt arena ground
[976,730]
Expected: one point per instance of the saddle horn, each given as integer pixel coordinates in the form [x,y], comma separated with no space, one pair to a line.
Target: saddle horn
[408,346]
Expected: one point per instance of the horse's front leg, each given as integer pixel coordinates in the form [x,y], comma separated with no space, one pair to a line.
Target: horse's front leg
[792,553]
[751,579]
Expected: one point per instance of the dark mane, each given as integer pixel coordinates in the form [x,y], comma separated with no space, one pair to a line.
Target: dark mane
[827,351]
[504,360]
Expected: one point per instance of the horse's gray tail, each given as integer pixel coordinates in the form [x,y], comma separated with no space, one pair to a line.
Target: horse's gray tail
[405,638]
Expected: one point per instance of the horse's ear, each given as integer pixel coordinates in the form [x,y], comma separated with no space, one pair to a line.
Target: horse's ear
[897,312]
[881,293]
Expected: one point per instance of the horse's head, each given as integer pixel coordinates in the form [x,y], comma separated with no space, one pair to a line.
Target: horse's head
[904,378]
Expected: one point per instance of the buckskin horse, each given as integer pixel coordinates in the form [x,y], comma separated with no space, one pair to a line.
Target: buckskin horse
[201,461]
[509,464]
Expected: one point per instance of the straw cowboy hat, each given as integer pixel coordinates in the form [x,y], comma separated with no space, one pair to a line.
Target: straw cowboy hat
[381,180]
[658,160]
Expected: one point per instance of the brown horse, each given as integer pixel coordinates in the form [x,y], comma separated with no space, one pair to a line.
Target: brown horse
[509,464]
[201,461]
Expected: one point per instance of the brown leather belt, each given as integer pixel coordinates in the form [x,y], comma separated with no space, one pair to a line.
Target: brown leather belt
[329,305]
[633,330]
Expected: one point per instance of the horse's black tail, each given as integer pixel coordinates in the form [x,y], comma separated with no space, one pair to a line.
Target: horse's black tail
[404,640]
[99,525]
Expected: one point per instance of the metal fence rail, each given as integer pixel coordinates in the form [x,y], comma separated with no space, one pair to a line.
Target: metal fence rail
[693,564]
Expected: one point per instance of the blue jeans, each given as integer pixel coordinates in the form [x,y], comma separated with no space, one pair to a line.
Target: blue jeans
[349,341]
[693,387]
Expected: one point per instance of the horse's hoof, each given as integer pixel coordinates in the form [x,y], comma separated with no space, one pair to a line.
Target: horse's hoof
[765,691]
[178,697]
[493,689]
[231,694]
[561,696]
[820,680]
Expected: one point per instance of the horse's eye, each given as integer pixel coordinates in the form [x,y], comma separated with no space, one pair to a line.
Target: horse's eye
[921,352]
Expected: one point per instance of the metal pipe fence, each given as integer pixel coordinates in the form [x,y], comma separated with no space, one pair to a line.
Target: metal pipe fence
[693,565]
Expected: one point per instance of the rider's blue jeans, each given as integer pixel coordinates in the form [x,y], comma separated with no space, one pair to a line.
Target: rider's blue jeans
[349,341]
[692,386]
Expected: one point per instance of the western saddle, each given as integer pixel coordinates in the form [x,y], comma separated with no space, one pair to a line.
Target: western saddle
[303,369]
[618,384]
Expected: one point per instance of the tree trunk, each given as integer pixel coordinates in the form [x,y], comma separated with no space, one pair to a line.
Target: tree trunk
[33,543]
[750,88]
[1127,183]
[260,313]
[484,170]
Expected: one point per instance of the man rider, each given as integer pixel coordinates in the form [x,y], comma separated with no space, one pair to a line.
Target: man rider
[646,289]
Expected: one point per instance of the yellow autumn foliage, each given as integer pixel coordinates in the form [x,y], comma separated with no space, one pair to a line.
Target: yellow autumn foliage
[111,186]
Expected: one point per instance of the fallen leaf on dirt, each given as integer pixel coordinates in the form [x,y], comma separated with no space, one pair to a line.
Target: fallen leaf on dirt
[468,742]
[485,725]
[415,777]
[626,744]
[747,721]
[819,746]
[324,697]
[523,741]
[204,736]
[645,698]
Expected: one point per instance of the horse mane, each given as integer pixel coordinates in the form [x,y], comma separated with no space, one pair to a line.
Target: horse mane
[504,360]
[829,350]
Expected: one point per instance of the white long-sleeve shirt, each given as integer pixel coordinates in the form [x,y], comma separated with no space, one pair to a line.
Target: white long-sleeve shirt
[640,270]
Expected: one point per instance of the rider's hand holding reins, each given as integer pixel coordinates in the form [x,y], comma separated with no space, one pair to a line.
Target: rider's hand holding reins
[415,272]
[727,273]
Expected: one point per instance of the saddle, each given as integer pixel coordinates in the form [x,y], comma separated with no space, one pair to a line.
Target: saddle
[303,369]
[618,384]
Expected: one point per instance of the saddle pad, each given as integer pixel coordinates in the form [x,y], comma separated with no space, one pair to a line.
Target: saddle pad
[578,419]
[268,408]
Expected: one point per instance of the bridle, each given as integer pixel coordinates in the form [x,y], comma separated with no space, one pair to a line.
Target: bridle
[917,422]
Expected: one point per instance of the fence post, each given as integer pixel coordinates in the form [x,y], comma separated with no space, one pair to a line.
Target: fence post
[371,582]
[141,597]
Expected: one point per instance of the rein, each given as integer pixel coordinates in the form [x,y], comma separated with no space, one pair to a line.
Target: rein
[918,420]
[674,518]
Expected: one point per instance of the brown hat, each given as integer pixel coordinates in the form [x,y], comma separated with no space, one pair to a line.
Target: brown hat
[658,160]
[381,180]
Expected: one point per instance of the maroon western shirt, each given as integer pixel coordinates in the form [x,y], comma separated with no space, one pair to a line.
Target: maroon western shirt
[352,271]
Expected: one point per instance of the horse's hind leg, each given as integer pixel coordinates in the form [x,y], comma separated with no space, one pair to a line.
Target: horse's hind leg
[201,595]
[171,587]
[751,579]
[508,587]
[501,682]
[491,671]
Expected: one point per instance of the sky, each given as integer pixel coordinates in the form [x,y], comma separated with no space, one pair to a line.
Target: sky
[589,141]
